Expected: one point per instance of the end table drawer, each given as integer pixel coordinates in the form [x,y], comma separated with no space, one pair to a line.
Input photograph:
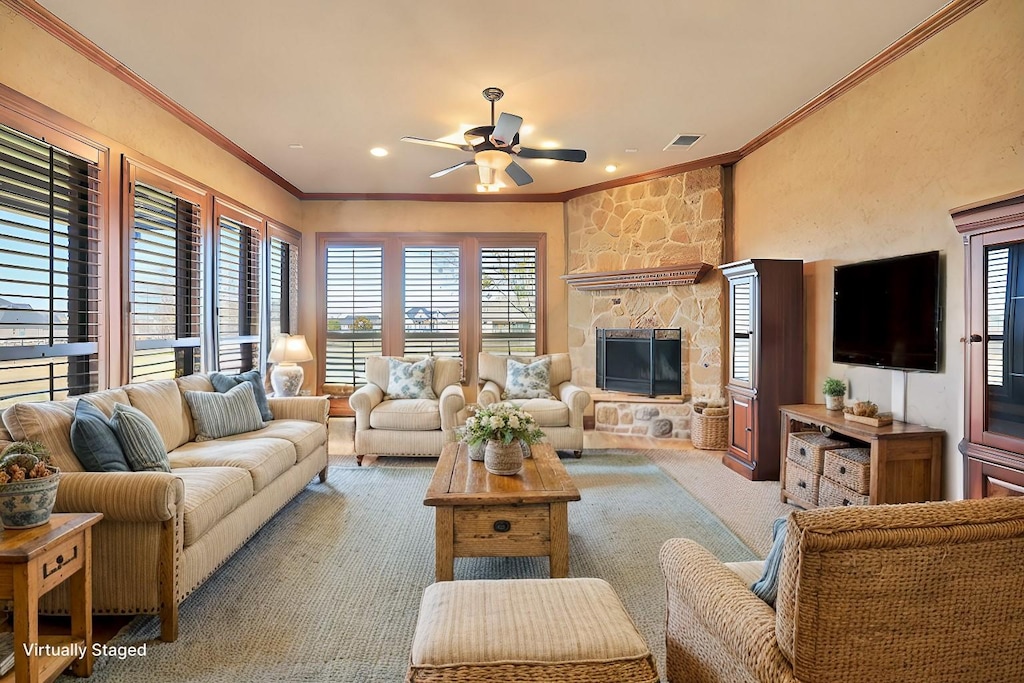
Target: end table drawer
[57,564]
[502,530]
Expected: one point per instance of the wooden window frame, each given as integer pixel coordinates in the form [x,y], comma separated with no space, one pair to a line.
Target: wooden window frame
[256,223]
[292,238]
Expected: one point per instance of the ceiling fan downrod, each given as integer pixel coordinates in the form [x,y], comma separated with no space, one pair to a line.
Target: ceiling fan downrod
[492,95]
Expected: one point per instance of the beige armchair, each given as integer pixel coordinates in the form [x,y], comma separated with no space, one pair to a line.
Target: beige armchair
[417,427]
[560,417]
[918,592]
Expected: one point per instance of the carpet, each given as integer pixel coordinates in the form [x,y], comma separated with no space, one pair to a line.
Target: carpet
[329,590]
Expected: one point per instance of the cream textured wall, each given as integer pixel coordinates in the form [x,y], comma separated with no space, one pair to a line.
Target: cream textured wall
[427,217]
[39,66]
[875,173]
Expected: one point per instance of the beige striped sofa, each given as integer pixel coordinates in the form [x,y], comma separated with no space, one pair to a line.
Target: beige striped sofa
[163,534]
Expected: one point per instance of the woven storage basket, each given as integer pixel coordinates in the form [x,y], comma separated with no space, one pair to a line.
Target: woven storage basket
[802,483]
[807,449]
[709,432]
[850,467]
[832,494]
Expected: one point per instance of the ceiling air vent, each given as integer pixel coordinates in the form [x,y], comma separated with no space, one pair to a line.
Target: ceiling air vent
[682,142]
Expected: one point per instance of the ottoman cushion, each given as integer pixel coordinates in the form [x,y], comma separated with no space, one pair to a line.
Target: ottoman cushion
[527,629]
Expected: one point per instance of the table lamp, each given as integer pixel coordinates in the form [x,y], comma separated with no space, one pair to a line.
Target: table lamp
[286,379]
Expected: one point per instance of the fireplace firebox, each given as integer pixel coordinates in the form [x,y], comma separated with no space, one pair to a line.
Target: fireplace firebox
[640,361]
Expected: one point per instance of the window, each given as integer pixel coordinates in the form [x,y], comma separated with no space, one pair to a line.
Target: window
[445,295]
[508,300]
[283,280]
[355,310]
[166,284]
[430,278]
[49,283]
[238,291]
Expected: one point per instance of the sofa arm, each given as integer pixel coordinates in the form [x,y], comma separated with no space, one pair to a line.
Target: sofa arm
[489,394]
[577,399]
[309,408]
[363,400]
[452,401]
[712,614]
[121,496]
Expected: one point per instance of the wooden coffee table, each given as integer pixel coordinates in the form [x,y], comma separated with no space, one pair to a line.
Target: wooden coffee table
[479,514]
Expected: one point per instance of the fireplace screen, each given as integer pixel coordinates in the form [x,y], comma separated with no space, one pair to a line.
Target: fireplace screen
[643,361]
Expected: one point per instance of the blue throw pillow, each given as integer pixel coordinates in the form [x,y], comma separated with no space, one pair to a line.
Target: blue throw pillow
[142,444]
[767,587]
[225,383]
[94,442]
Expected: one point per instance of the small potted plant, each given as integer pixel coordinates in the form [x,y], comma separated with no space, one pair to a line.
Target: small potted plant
[834,390]
[28,485]
[502,427]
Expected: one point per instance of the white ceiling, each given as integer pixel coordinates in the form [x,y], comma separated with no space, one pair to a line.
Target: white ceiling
[340,77]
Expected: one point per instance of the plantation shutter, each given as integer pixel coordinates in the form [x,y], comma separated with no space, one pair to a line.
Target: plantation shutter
[283,282]
[997,307]
[49,282]
[508,300]
[431,302]
[165,285]
[238,296]
[355,303]
[742,324]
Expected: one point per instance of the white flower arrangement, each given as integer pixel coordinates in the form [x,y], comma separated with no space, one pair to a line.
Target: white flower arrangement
[501,422]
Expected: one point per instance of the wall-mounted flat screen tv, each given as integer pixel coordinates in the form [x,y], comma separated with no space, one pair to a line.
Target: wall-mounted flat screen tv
[888,313]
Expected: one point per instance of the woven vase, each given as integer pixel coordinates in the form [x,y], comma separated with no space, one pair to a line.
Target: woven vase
[503,459]
[476,450]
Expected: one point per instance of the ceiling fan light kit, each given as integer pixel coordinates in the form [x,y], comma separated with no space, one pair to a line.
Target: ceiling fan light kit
[494,146]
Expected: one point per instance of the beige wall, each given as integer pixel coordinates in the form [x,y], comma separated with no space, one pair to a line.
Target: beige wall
[41,67]
[875,174]
[426,217]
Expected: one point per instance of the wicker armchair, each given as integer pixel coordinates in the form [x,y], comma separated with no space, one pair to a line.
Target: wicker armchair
[923,592]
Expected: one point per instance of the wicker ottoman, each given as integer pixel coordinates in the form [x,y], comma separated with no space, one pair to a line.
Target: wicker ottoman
[527,630]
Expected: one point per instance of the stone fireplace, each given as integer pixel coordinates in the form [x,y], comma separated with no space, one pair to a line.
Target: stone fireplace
[674,220]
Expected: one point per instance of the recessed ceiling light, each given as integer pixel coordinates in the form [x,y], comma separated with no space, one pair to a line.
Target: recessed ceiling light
[611,168]
[295,145]
[379,152]
[631,150]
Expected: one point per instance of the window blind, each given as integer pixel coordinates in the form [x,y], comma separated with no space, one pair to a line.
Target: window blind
[508,300]
[281,274]
[996,303]
[741,326]
[431,301]
[355,306]
[238,296]
[49,283]
[165,271]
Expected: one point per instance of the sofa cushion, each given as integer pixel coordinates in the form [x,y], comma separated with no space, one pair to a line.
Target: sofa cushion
[140,440]
[263,459]
[94,441]
[548,412]
[410,380]
[162,403]
[407,414]
[447,371]
[49,423]
[224,383]
[211,493]
[197,382]
[305,436]
[528,380]
[217,415]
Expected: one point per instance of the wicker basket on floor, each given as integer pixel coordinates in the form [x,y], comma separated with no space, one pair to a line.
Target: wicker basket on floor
[710,432]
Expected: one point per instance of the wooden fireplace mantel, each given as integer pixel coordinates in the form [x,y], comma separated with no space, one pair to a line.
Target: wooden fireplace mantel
[681,274]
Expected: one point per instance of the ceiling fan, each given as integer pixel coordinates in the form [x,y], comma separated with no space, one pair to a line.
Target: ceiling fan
[494,146]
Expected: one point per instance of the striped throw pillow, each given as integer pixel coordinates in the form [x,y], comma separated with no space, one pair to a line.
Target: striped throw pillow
[140,440]
[233,412]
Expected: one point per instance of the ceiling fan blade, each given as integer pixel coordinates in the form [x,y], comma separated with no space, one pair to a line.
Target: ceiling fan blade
[446,171]
[518,174]
[575,155]
[486,175]
[506,129]
[437,143]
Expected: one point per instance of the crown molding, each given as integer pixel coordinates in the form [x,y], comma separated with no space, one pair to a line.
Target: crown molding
[943,18]
[56,27]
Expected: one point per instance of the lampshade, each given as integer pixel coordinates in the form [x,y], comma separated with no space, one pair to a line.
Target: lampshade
[493,158]
[291,348]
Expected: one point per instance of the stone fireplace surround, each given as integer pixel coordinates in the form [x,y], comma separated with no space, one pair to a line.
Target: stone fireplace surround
[668,221]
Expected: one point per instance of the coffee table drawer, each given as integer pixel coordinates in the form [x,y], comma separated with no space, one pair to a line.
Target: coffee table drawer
[502,531]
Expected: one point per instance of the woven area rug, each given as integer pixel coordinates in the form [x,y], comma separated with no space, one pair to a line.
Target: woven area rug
[329,590]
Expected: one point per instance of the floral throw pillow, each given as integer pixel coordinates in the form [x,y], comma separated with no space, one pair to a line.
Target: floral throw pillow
[410,380]
[528,380]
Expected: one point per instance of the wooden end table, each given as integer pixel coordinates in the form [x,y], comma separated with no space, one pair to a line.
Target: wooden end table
[479,514]
[32,562]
